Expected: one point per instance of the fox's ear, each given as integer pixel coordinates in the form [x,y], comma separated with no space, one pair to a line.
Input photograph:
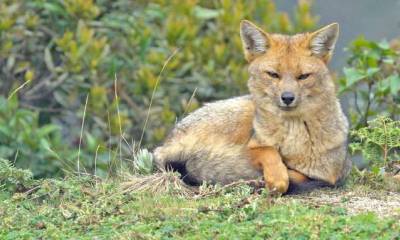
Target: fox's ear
[254,40]
[322,41]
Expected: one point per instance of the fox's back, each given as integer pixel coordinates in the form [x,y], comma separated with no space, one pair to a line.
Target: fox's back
[230,119]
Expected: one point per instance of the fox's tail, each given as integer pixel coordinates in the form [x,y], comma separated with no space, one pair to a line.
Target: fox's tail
[212,161]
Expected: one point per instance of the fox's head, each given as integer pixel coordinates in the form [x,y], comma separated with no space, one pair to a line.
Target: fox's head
[289,74]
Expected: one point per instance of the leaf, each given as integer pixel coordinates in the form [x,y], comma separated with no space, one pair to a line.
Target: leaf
[54,8]
[352,76]
[206,13]
[5,131]
[372,71]
[48,59]
[384,45]
[394,81]
[47,129]
[360,42]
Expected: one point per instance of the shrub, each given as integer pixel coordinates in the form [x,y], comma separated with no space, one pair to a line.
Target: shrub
[379,144]
[12,178]
[26,143]
[373,81]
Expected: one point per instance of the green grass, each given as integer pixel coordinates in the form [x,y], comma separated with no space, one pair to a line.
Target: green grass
[80,208]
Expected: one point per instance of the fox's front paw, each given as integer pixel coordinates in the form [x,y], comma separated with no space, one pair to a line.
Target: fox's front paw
[277,186]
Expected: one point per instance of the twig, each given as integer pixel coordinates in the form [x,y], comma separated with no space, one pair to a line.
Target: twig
[153,93]
[190,101]
[356,103]
[16,156]
[18,88]
[95,160]
[365,118]
[31,190]
[81,135]
[119,118]
[109,141]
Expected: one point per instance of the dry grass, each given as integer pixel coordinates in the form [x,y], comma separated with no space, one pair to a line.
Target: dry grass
[168,181]
[161,182]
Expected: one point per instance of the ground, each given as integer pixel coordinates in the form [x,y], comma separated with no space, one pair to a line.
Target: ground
[356,201]
[84,208]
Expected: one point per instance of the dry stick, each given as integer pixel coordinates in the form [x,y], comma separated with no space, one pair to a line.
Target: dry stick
[190,101]
[16,156]
[119,120]
[17,89]
[153,93]
[80,138]
[95,160]
[109,141]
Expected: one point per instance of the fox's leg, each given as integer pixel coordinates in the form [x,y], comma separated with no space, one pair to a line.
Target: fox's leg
[274,170]
[299,183]
[296,177]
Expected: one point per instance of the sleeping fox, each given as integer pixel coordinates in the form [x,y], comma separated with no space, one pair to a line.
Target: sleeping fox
[290,129]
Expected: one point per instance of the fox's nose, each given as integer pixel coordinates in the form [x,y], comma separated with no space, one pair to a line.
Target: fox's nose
[287,98]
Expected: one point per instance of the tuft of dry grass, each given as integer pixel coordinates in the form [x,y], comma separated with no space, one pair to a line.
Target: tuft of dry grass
[161,182]
[170,182]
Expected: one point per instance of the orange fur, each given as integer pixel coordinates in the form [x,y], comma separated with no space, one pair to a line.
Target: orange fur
[275,172]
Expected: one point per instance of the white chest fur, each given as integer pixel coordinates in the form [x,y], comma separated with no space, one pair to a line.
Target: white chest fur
[296,142]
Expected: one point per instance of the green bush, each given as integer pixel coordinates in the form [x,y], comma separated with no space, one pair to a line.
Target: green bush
[56,53]
[372,79]
[26,143]
[12,179]
[379,144]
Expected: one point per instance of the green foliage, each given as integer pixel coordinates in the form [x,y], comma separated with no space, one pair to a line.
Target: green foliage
[28,144]
[379,143]
[113,52]
[143,162]
[41,147]
[12,178]
[372,77]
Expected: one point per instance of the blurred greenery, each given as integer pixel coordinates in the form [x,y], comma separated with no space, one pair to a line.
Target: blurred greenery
[372,78]
[56,54]
[28,144]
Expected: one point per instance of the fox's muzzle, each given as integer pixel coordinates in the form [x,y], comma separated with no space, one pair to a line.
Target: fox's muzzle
[287,98]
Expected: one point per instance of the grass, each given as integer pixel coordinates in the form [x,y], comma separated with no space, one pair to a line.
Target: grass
[81,208]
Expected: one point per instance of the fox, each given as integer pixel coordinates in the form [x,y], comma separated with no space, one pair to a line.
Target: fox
[290,129]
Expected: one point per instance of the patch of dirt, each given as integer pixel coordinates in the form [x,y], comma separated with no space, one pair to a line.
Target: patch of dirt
[356,201]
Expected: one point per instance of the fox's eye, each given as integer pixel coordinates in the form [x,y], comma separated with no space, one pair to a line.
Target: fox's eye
[273,74]
[303,76]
